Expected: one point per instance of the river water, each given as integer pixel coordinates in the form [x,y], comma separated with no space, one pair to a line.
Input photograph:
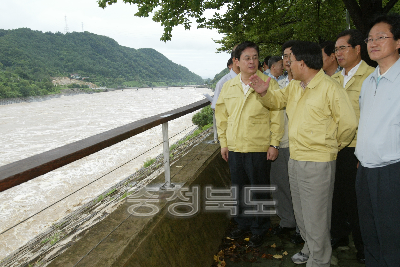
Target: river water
[27,129]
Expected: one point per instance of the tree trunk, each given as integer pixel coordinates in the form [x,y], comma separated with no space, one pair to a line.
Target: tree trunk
[363,14]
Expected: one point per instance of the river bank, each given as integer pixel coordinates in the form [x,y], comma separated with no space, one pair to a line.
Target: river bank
[78,91]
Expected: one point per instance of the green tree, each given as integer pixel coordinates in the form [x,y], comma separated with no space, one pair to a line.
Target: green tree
[267,22]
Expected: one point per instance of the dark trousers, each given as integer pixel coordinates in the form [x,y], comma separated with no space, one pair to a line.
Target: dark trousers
[250,169]
[344,203]
[378,197]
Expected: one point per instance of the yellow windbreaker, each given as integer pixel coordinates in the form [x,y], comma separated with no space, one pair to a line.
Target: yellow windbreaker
[353,89]
[321,118]
[243,124]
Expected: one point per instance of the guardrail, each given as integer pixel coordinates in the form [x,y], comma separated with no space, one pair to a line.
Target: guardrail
[24,170]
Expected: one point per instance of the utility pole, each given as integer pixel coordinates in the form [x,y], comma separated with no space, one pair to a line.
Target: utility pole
[66,25]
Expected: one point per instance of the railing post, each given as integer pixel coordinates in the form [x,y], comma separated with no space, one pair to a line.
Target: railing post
[167,169]
[215,129]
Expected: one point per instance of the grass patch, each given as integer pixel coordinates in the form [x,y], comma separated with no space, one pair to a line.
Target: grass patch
[125,195]
[173,147]
[112,191]
[100,198]
[207,126]
[194,134]
[53,239]
[148,162]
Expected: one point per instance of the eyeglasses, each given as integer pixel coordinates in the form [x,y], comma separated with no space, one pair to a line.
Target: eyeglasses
[341,48]
[247,59]
[377,39]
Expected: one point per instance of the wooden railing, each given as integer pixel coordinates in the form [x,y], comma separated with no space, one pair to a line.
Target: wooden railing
[26,169]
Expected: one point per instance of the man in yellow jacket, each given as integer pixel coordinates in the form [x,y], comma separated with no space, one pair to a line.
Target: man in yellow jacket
[249,135]
[321,121]
[348,49]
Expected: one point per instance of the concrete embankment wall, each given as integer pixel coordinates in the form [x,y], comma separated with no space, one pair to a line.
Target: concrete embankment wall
[160,240]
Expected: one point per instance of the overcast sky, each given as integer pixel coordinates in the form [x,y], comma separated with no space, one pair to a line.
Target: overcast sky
[193,49]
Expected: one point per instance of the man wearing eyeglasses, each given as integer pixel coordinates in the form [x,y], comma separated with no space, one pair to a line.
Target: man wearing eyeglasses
[249,135]
[378,146]
[321,121]
[348,47]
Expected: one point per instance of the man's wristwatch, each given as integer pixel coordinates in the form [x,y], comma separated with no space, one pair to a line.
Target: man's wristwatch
[277,147]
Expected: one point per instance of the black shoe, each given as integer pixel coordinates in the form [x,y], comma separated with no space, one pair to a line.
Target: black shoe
[279,230]
[296,238]
[339,242]
[360,256]
[256,241]
[237,233]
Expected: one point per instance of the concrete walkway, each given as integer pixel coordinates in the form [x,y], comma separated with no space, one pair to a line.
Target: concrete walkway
[275,252]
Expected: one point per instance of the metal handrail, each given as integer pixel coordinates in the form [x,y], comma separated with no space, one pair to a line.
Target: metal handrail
[24,170]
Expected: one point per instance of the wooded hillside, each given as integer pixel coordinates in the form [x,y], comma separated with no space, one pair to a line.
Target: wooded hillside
[28,60]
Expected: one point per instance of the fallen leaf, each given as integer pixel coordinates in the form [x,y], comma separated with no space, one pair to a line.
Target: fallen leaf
[266,256]
[215,258]
[229,238]
[246,239]
[273,246]
[278,256]
[222,264]
[285,253]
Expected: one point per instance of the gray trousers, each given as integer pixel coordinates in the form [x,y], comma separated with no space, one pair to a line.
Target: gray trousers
[311,185]
[280,178]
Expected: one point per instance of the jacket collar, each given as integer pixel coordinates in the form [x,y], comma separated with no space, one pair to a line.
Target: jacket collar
[391,75]
[316,80]
[362,69]
[236,80]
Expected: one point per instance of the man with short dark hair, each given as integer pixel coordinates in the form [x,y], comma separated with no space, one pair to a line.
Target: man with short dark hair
[229,64]
[378,146]
[279,168]
[275,65]
[330,65]
[265,65]
[248,133]
[348,47]
[286,51]
[321,121]
[232,74]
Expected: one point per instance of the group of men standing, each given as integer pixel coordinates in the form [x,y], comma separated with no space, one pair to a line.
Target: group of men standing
[328,137]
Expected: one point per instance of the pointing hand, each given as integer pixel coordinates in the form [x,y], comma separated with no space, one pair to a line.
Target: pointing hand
[259,85]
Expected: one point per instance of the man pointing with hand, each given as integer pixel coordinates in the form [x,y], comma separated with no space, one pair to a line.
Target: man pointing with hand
[321,121]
